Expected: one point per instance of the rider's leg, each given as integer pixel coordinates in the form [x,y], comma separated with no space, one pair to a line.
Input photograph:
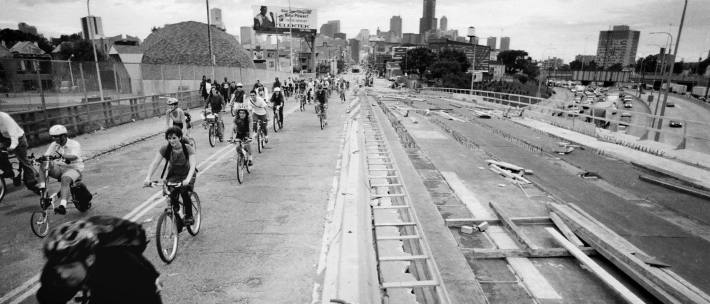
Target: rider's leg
[6,166]
[187,201]
[263,125]
[281,115]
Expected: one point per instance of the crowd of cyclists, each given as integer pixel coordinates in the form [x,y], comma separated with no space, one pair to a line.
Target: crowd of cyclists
[89,255]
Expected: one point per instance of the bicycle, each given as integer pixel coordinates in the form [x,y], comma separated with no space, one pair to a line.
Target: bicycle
[302,100]
[277,120]
[210,123]
[39,220]
[342,96]
[170,221]
[17,181]
[321,115]
[241,158]
[260,136]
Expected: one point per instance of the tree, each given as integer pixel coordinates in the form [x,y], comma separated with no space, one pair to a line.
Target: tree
[678,67]
[702,67]
[11,37]
[617,67]
[575,65]
[418,59]
[450,68]
[514,60]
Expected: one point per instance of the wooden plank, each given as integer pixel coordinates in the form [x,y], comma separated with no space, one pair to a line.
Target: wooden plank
[496,253]
[532,220]
[410,284]
[395,224]
[675,186]
[458,222]
[618,251]
[624,292]
[565,230]
[517,233]
[402,258]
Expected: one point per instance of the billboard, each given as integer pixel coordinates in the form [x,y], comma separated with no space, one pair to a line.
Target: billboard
[279,19]
[398,52]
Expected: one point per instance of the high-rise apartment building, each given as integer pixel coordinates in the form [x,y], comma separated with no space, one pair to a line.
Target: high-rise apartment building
[355,50]
[444,24]
[428,21]
[92,27]
[396,26]
[334,26]
[617,46]
[247,34]
[504,43]
[491,42]
[364,37]
[216,18]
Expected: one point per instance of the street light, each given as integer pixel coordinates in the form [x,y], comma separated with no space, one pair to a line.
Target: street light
[668,77]
[538,81]
[93,46]
[71,74]
[669,41]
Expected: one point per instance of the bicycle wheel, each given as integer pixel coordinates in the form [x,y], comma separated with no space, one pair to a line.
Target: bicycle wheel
[39,222]
[246,164]
[194,229]
[211,134]
[276,124]
[259,141]
[240,169]
[2,189]
[166,236]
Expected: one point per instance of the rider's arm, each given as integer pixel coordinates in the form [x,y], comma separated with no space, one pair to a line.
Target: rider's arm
[152,167]
[72,150]
[51,149]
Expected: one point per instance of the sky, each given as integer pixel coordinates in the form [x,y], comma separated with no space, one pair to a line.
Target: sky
[543,28]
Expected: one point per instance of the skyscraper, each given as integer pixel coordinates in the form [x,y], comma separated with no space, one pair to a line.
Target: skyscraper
[444,24]
[491,42]
[504,43]
[216,18]
[364,36]
[92,27]
[428,21]
[355,50]
[396,26]
[246,33]
[617,46]
[331,28]
[335,26]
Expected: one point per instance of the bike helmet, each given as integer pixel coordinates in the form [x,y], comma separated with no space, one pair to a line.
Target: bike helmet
[277,89]
[70,242]
[239,85]
[57,130]
[172,101]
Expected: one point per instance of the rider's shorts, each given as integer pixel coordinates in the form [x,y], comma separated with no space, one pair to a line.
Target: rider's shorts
[58,171]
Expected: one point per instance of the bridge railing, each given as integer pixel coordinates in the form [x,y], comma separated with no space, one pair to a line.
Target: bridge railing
[96,115]
[610,126]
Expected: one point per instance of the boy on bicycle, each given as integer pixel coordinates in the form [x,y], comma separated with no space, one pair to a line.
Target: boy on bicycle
[69,169]
[259,112]
[180,156]
[322,101]
[277,100]
[241,131]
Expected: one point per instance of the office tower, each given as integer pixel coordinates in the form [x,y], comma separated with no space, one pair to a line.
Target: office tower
[444,24]
[216,18]
[247,35]
[504,43]
[92,28]
[491,42]
[428,21]
[617,46]
[396,26]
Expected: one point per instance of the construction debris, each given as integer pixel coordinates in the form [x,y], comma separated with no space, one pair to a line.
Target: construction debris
[514,172]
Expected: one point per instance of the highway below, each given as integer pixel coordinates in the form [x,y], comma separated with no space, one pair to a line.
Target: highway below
[688,113]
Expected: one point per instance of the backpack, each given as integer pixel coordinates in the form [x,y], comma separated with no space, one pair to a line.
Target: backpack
[167,155]
[82,196]
[188,118]
[117,232]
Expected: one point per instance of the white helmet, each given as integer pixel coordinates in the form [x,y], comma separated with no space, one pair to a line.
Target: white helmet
[240,84]
[172,101]
[277,89]
[57,130]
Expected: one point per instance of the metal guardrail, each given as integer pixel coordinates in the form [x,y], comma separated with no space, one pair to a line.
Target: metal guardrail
[91,116]
[584,123]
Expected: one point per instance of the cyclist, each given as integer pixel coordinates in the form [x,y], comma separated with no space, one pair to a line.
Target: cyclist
[101,256]
[322,102]
[216,103]
[68,170]
[12,139]
[241,130]
[341,89]
[258,113]
[177,116]
[277,84]
[181,159]
[277,101]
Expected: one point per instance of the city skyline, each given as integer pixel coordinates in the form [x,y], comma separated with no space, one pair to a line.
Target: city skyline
[541,30]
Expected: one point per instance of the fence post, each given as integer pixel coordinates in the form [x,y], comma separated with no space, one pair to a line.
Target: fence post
[41,93]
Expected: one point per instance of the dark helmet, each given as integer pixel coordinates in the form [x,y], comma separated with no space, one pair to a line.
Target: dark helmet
[70,242]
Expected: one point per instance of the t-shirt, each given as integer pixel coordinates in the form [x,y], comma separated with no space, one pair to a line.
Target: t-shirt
[179,165]
[71,147]
[176,115]
[259,105]
[9,129]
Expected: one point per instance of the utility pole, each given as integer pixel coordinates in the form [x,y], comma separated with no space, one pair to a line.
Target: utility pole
[209,38]
[670,70]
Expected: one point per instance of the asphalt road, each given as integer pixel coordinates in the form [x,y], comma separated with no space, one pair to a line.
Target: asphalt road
[260,241]
[668,225]
[685,111]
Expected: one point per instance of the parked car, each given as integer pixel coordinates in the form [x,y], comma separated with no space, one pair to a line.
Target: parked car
[670,104]
[628,105]
[675,124]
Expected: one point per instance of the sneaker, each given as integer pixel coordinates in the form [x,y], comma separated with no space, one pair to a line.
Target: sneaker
[189,221]
[60,210]
[250,163]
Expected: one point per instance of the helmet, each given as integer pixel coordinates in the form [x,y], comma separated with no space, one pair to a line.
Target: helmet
[57,130]
[70,242]
[277,89]
[240,84]
[172,101]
